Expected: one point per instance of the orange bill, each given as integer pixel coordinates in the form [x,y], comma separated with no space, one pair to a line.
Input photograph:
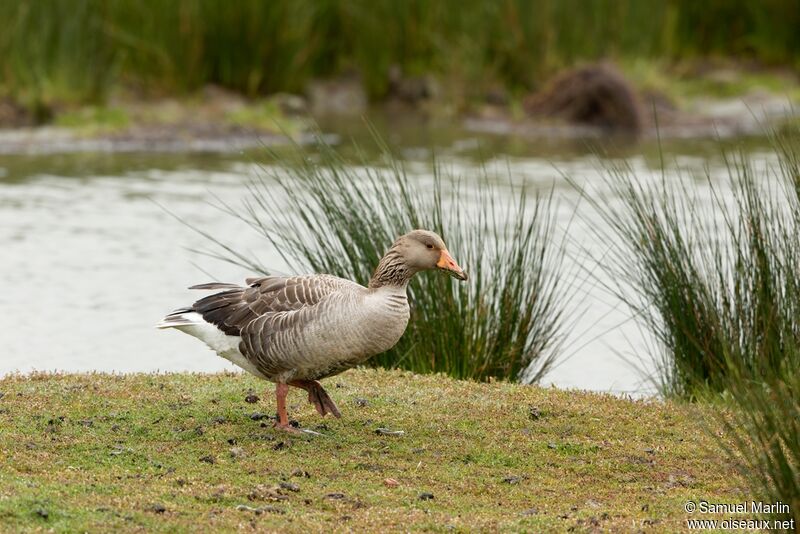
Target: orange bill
[447,263]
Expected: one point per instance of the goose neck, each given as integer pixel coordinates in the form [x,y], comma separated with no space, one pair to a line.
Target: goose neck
[392,271]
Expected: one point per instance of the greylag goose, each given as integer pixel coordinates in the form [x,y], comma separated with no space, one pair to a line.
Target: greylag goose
[296,330]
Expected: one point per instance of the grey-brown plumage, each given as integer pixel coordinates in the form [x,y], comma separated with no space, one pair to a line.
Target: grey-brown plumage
[296,330]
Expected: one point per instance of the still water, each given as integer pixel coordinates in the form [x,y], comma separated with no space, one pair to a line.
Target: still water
[91,260]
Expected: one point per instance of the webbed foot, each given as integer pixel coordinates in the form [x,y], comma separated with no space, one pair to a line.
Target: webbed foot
[318,397]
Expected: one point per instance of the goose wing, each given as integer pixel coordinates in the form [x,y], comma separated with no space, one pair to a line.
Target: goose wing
[268,304]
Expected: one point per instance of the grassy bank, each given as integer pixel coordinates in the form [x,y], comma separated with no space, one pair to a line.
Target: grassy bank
[174,452]
[65,50]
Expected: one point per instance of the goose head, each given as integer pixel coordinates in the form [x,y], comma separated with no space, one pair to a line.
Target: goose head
[423,250]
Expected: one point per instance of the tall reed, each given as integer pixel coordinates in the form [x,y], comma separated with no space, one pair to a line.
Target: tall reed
[710,269]
[507,321]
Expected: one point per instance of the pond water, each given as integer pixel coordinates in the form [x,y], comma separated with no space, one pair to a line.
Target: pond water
[92,260]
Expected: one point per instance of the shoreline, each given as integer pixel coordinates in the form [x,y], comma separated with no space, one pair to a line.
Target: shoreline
[211,138]
[220,121]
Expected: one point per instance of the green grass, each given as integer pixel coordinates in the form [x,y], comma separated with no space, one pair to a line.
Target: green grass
[340,219]
[80,50]
[94,120]
[123,452]
[190,115]
[685,82]
[265,115]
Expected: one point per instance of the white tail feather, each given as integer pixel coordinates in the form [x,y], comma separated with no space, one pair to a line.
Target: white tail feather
[180,319]
[226,346]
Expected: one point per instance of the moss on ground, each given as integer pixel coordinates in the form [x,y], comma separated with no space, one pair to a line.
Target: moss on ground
[685,83]
[265,115]
[182,452]
[94,120]
[213,115]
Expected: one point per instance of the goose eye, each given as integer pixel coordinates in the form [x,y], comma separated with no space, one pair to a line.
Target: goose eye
[429,246]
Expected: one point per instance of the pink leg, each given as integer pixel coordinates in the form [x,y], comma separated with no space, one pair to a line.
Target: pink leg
[283,420]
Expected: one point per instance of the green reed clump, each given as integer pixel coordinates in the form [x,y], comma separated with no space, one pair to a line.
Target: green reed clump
[79,50]
[710,269]
[507,321]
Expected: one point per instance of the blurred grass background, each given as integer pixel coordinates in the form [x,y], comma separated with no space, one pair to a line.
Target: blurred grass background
[78,50]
